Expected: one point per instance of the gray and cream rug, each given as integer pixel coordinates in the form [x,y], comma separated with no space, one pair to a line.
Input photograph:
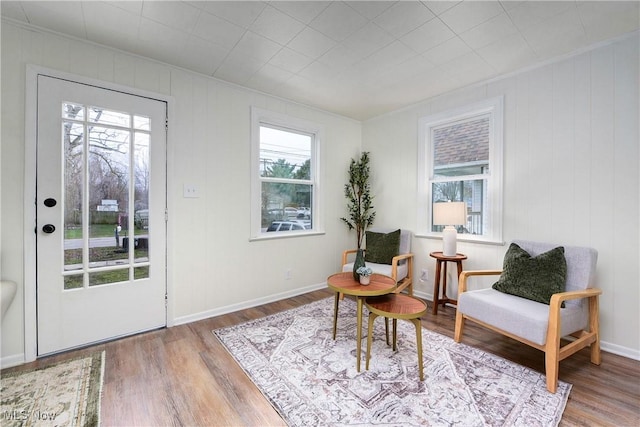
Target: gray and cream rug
[311,379]
[65,394]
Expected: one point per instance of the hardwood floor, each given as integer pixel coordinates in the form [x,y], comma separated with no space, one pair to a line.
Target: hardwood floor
[183,376]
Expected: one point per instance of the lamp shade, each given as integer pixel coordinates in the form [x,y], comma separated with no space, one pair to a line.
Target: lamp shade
[450,213]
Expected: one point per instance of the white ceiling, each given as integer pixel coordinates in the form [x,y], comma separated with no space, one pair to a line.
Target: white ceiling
[355,58]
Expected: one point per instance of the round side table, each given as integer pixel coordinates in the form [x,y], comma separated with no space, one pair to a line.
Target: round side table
[441,266]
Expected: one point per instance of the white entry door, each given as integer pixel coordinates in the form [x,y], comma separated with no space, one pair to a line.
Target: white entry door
[100,214]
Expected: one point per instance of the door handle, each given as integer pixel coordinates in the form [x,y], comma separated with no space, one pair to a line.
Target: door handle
[49,228]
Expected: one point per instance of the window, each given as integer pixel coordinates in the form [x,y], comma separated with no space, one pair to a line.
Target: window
[285,190]
[460,160]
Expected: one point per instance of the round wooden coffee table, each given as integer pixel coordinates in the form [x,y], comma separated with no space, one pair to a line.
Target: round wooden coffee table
[344,283]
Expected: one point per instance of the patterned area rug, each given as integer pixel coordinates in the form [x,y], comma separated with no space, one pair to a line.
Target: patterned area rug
[311,379]
[65,394]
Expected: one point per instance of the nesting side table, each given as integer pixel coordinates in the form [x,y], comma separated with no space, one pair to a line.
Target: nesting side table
[441,266]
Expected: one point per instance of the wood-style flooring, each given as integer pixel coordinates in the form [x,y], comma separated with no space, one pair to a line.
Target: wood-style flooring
[182,376]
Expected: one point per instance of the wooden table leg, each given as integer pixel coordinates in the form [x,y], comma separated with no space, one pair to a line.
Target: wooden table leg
[359,333]
[444,298]
[335,315]
[436,288]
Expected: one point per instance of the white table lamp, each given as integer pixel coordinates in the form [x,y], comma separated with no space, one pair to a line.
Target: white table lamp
[449,214]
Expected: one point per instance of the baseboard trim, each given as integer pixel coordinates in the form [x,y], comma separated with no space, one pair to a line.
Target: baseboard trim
[246,304]
[13,360]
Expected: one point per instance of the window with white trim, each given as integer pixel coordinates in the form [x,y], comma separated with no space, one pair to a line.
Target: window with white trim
[285,195]
[460,160]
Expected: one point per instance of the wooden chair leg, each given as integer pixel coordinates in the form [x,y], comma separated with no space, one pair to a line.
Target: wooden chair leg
[552,365]
[372,317]
[594,326]
[457,337]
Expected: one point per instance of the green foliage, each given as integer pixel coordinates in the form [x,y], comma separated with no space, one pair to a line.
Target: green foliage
[359,199]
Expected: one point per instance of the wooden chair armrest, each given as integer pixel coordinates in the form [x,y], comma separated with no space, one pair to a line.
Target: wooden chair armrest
[557,299]
[400,257]
[346,253]
[462,280]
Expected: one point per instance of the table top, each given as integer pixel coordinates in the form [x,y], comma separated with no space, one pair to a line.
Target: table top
[344,283]
[439,255]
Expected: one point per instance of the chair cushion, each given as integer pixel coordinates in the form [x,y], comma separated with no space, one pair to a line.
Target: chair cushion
[519,316]
[385,269]
[533,277]
[382,247]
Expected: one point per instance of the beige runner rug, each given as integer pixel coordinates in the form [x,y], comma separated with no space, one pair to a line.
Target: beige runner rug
[65,394]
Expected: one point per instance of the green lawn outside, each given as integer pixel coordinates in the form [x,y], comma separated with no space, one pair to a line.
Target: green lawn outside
[98,230]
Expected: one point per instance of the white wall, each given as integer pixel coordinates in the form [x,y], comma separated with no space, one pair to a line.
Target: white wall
[213,266]
[571,176]
[570,172]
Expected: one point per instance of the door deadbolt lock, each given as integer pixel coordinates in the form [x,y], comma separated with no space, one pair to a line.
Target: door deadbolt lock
[49,228]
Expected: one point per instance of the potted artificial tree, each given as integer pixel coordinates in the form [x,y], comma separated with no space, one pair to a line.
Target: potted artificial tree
[361,214]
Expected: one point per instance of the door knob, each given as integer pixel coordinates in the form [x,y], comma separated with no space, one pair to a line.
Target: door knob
[49,228]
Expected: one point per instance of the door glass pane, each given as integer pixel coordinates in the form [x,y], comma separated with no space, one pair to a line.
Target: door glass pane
[108,193]
[73,111]
[102,172]
[141,195]
[141,123]
[73,282]
[107,117]
[73,139]
[141,272]
[105,277]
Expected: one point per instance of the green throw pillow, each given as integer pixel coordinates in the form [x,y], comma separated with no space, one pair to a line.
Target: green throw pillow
[382,247]
[535,278]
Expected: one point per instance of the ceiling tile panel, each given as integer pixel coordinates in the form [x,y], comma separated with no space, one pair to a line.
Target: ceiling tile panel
[311,43]
[216,29]
[403,17]
[256,46]
[447,51]
[303,11]
[368,39]
[508,53]
[290,60]
[178,15]
[468,14]
[427,36]
[64,17]
[488,32]
[241,13]
[370,9]
[338,21]
[276,26]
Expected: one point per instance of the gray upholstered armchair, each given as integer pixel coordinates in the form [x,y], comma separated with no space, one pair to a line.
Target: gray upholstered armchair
[537,324]
[401,267]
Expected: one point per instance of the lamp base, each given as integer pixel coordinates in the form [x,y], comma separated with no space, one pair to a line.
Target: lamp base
[449,241]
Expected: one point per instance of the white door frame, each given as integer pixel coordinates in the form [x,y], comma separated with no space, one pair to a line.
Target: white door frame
[29,255]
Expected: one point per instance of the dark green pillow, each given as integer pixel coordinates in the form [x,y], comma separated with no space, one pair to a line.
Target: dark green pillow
[535,278]
[382,247]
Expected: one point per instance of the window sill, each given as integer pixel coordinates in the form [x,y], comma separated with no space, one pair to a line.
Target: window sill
[462,238]
[285,235]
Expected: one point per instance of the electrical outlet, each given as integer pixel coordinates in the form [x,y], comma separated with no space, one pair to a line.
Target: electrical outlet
[424,275]
[190,191]
[287,274]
